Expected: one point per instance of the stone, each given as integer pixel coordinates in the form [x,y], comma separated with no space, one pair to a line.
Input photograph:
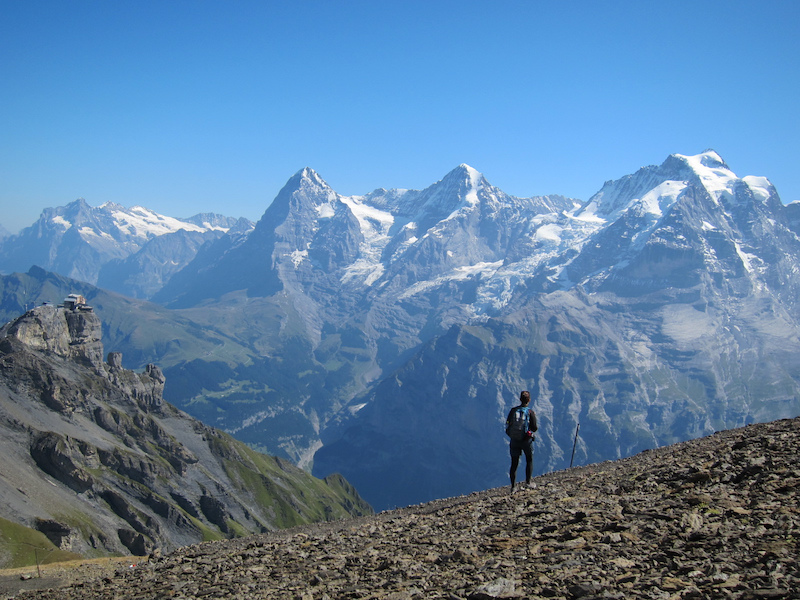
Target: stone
[498,588]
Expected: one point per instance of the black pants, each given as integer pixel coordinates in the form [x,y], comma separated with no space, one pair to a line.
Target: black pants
[517,447]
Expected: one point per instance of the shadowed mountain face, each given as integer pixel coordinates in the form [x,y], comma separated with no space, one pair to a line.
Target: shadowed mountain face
[386,336]
[95,460]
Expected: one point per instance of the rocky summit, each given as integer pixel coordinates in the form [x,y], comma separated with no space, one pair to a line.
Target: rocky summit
[716,517]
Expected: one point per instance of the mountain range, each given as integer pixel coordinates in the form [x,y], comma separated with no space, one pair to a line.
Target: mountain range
[385,336]
[130,250]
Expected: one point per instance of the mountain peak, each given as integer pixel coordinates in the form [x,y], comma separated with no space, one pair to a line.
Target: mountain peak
[470,180]
[76,207]
[79,202]
[662,185]
[712,172]
[306,181]
[67,332]
[465,172]
[708,159]
[307,174]
[711,155]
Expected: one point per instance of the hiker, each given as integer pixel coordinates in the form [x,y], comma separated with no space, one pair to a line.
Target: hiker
[520,425]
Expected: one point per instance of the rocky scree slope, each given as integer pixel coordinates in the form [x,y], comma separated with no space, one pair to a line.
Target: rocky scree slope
[716,517]
[96,460]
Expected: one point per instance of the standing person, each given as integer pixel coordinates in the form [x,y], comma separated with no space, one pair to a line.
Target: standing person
[520,425]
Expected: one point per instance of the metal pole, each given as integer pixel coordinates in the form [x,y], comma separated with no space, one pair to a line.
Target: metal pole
[575,443]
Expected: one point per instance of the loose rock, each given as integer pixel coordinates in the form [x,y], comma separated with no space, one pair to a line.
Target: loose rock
[717,517]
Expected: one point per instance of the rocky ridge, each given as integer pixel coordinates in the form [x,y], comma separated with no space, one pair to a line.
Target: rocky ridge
[716,517]
[95,462]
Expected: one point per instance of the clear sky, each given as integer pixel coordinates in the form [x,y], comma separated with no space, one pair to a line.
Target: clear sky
[187,106]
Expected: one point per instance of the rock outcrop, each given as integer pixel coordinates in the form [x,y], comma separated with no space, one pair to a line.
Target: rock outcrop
[716,517]
[95,460]
[71,334]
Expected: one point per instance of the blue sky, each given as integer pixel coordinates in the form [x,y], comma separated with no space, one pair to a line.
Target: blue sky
[210,106]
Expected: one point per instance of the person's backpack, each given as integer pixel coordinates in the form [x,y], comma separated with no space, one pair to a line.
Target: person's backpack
[517,425]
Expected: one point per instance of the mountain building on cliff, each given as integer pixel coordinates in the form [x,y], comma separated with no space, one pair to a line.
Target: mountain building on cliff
[76,302]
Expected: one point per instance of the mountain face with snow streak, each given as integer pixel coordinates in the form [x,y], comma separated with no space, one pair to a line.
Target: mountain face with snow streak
[78,241]
[342,289]
[385,336]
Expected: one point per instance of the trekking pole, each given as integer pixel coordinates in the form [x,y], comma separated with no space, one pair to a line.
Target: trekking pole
[575,443]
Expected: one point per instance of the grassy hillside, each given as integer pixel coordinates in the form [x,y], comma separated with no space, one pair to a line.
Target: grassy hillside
[21,546]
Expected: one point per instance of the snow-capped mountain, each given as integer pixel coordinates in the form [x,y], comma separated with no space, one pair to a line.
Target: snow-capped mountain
[80,241]
[634,208]
[378,248]
[669,314]
[388,334]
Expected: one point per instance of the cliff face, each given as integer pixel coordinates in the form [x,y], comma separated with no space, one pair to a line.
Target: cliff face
[69,334]
[98,462]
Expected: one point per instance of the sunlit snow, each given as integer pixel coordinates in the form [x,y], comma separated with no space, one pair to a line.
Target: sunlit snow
[61,221]
[90,232]
[747,259]
[325,211]
[661,197]
[458,274]
[588,214]
[760,186]
[298,256]
[142,222]
[714,175]
[363,270]
[375,225]
[474,180]
[209,227]
[550,232]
